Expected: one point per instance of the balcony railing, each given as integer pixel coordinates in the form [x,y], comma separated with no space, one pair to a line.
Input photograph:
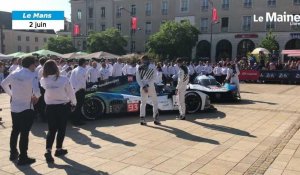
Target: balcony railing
[246,27]
[203,29]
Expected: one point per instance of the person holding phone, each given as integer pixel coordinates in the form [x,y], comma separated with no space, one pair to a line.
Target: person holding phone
[59,95]
[22,86]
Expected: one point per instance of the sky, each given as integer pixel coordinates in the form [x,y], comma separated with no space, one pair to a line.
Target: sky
[10,5]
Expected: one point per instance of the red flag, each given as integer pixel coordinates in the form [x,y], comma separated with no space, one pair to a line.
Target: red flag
[215,16]
[133,23]
[76,30]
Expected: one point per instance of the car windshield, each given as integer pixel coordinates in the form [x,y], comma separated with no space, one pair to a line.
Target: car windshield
[207,81]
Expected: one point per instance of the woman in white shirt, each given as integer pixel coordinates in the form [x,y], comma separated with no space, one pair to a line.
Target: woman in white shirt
[218,73]
[58,95]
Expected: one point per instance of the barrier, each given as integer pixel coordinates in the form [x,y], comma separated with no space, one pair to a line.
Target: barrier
[280,76]
[249,75]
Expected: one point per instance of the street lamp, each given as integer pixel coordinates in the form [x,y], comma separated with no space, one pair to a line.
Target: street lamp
[131,32]
[211,27]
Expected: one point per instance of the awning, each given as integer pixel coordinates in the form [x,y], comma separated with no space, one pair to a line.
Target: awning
[287,52]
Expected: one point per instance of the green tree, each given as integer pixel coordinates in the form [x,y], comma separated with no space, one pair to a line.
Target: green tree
[109,40]
[269,42]
[60,44]
[173,40]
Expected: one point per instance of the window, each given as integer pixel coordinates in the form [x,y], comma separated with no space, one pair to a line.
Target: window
[225,4]
[247,3]
[19,48]
[133,10]
[204,5]
[148,29]
[36,48]
[102,12]
[27,38]
[45,40]
[91,12]
[19,38]
[27,49]
[296,2]
[164,7]
[204,25]
[119,27]
[271,3]
[79,14]
[36,39]
[270,25]
[133,46]
[103,27]
[148,8]
[119,12]
[90,26]
[246,23]
[184,5]
[224,24]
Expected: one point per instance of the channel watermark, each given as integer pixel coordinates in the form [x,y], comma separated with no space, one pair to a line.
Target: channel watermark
[292,19]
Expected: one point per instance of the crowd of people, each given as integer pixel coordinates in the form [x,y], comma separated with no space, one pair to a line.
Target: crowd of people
[55,89]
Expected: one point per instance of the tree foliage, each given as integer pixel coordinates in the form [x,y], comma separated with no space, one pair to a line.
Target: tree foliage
[60,44]
[174,40]
[269,42]
[109,40]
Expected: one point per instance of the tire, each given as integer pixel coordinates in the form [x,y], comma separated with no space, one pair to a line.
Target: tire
[193,102]
[93,108]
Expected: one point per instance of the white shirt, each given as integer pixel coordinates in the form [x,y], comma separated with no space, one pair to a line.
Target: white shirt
[208,69]
[217,71]
[125,68]
[159,78]
[93,74]
[13,68]
[199,69]
[58,90]
[131,70]
[148,78]
[117,69]
[78,78]
[165,70]
[24,85]
[104,73]
[224,70]
[66,66]
[191,69]
[171,70]
[110,69]
[176,69]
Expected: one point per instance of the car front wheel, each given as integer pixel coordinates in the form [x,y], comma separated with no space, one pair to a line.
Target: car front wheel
[193,102]
[93,108]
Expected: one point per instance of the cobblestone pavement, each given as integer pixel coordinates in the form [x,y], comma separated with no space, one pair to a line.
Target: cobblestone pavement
[259,135]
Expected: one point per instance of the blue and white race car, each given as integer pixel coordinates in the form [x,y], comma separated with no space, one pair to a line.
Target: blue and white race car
[216,92]
[123,96]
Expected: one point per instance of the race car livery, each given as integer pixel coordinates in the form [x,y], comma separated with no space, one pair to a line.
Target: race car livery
[216,92]
[123,96]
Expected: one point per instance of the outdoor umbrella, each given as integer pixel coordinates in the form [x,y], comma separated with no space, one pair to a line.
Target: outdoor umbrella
[99,55]
[73,55]
[17,54]
[257,50]
[46,53]
[5,57]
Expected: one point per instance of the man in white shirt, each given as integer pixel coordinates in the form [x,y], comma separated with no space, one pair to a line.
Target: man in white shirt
[109,67]
[208,69]
[14,65]
[78,81]
[165,72]
[69,64]
[104,73]
[171,70]
[200,69]
[125,68]
[218,73]
[93,73]
[24,93]
[117,68]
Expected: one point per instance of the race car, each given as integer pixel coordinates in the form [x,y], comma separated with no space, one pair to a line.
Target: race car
[123,96]
[216,92]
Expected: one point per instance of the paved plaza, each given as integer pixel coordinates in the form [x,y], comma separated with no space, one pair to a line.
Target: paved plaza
[259,135]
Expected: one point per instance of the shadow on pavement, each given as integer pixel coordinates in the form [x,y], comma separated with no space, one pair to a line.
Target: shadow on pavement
[226,129]
[27,169]
[39,129]
[183,134]
[74,134]
[108,137]
[247,102]
[76,168]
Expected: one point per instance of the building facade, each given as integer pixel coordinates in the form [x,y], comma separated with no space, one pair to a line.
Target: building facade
[233,35]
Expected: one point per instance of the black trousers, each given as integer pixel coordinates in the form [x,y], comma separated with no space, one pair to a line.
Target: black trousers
[77,115]
[57,122]
[40,106]
[21,125]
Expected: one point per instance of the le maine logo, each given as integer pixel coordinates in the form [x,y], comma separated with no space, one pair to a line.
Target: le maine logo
[293,19]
